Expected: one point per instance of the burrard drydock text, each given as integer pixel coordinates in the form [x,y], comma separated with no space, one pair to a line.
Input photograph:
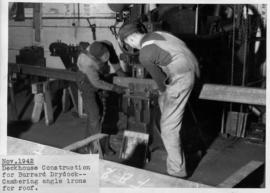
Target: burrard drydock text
[45,173]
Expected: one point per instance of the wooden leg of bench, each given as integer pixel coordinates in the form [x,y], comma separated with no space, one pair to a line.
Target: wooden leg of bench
[14,112]
[38,107]
[48,110]
[80,105]
[100,152]
[71,92]
[65,101]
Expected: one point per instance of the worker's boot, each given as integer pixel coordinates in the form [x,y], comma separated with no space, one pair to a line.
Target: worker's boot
[106,147]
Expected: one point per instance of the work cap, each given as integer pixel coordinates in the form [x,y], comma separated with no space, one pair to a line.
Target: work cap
[127,30]
[97,49]
[83,45]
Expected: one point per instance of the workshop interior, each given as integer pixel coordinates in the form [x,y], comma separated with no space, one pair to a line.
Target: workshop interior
[223,127]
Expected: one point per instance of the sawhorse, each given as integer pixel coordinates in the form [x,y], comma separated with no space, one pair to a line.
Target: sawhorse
[42,101]
[69,90]
[11,95]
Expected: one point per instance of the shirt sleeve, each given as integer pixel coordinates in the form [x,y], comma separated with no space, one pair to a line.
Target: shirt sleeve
[92,74]
[147,60]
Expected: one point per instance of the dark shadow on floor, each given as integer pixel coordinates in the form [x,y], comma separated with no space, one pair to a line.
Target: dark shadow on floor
[57,103]
[26,104]
[201,118]
[137,158]
[16,128]
[254,180]
[192,161]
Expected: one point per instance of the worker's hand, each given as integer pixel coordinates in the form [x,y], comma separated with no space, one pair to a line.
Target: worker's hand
[118,89]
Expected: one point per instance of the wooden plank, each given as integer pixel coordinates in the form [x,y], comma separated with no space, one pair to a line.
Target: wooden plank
[111,174]
[240,175]
[236,94]
[85,141]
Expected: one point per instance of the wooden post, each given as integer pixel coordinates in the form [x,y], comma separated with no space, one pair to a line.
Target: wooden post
[37,21]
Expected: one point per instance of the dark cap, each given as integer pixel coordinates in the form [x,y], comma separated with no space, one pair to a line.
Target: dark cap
[97,49]
[83,45]
[127,30]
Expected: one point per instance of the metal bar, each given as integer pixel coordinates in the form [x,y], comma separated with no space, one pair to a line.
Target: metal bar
[143,83]
[196,19]
[43,71]
[236,94]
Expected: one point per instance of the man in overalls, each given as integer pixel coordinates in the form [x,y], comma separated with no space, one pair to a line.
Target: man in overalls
[174,67]
[91,64]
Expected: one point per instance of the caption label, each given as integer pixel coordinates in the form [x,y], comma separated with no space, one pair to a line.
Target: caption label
[69,173]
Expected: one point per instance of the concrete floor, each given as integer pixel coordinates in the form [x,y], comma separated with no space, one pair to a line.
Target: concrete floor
[223,156]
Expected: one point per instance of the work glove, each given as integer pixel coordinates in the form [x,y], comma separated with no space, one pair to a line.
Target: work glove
[118,89]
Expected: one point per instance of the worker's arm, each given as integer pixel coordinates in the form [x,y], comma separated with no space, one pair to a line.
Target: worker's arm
[147,60]
[94,78]
[85,66]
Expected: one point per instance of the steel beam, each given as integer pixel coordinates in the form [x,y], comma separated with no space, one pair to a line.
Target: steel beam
[140,84]
[235,94]
[43,71]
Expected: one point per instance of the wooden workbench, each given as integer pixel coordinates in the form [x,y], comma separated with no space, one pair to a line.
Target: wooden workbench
[111,173]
